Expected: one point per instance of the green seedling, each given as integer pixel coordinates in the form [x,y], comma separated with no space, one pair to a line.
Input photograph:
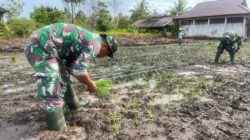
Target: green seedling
[193,91]
[196,81]
[136,120]
[13,58]
[103,86]
[169,98]
[116,121]
[163,107]
[132,104]
[200,92]
[150,113]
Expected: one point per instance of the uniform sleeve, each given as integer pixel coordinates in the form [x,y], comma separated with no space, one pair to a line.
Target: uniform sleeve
[90,45]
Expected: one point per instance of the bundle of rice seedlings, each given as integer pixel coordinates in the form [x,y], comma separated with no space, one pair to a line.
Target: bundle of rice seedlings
[103,86]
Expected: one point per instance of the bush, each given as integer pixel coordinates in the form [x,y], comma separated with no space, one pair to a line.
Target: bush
[22,27]
[4,32]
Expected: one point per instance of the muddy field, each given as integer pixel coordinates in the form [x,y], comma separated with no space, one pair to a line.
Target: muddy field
[159,92]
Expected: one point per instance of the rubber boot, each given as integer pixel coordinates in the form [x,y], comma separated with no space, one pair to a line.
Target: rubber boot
[232,58]
[71,99]
[217,57]
[56,121]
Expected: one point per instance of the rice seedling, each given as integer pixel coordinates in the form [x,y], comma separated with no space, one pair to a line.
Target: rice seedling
[150,113]
[13,58]
[116,120]
[103,86]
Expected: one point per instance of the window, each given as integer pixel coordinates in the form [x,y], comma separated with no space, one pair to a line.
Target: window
[201,21]
[235,20]
[217,21]
[186,22]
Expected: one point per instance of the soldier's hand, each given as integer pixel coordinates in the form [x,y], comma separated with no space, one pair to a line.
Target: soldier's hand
[92,87]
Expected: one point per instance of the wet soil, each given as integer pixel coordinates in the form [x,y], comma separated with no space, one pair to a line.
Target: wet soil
[159,92]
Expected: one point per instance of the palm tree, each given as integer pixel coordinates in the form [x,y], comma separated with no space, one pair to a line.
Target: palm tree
[179,7]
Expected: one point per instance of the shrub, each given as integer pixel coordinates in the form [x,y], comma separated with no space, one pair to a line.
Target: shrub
[22,27]
[4,32]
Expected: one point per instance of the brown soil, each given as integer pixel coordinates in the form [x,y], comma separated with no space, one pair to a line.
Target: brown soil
[220,112]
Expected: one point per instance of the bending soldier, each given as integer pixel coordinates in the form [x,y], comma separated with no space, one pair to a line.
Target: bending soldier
[57,51]
[231,42]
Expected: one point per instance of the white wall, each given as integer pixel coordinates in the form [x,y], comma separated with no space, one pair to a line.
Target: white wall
[213,30]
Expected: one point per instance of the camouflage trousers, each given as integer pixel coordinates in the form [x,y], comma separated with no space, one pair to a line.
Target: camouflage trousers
[229,48]
[51,75]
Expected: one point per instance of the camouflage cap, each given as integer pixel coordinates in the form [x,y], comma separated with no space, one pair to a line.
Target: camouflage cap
[112,42]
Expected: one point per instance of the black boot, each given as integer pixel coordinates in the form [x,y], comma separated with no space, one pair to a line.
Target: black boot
[217,57]
[71,99]
[232,57]
[56,121]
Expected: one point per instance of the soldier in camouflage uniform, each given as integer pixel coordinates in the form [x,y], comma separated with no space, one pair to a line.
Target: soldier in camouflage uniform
[231,42]
[57,51]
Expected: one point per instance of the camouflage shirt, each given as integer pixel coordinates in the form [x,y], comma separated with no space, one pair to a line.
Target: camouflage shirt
[73,45]
[232,38]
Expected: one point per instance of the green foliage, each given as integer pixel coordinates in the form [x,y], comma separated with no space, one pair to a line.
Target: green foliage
[123,22]
[104,21]
[140,10]
[22,27]
[47,15]
[4,32]
[103,86]
[131,33]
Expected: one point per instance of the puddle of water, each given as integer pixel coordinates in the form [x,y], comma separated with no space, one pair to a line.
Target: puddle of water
[167,99]
[202,66]
[209,76]
[7,86]
[11,131]
[187,73]
[10,90]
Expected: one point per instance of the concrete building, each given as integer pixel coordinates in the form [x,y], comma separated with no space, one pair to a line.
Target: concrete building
[214,18]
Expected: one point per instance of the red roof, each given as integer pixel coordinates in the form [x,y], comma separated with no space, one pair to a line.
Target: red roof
[217,8]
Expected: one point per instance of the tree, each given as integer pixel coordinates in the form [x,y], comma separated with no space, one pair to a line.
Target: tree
[123,21]
[179,7]
[73,4]
[115,6]
[15,8]
[140,10]
[47,15]
[80,18]
[104,21]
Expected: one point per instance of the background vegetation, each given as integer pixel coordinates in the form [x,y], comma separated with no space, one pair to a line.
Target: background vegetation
[99,19]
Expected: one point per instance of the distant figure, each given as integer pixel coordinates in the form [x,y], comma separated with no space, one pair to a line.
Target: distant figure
[231,42]
[180,36]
